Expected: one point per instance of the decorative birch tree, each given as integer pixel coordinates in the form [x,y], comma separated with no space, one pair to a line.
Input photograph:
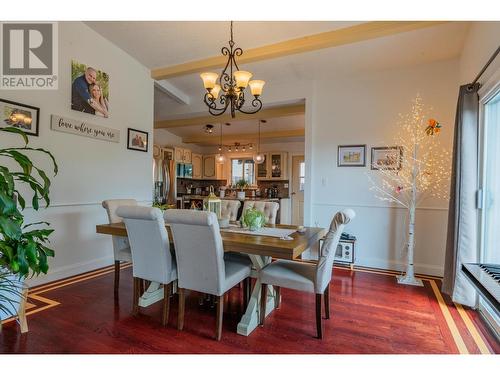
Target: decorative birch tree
[423,171]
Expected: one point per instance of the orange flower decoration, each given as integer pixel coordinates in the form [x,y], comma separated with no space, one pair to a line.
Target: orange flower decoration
[434,127]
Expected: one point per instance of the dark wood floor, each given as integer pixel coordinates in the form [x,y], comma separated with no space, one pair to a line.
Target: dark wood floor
[371,313]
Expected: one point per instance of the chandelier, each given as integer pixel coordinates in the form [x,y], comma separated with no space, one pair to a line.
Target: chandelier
[230,91]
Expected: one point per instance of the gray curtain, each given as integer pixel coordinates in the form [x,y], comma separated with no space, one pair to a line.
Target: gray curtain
[462,236]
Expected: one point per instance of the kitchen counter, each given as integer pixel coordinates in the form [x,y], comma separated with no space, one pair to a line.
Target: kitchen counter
[194,196]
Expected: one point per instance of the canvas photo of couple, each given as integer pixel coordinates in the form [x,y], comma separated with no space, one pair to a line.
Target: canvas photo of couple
[89,90]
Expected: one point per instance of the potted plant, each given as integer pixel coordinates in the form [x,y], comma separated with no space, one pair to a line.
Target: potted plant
[241,184]
[23,250]
[253,219]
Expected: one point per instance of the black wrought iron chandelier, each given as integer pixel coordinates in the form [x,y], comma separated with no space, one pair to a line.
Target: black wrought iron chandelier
[230,91]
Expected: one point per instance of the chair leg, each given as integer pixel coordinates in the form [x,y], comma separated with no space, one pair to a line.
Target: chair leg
[166,303]
[141,287]
[327,301]
[182,301]
[278,296]
[263,300]
[117,276]
[135,302]
[220,314]
[318,316]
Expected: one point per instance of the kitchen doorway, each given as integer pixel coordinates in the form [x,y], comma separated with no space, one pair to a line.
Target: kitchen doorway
[298,183]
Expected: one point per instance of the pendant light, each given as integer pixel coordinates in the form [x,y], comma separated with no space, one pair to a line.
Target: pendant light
[259,158]
[220,158]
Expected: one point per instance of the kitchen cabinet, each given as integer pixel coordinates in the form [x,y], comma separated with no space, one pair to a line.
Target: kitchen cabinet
[197,161]
[274,166]
[209,167]
[183,155]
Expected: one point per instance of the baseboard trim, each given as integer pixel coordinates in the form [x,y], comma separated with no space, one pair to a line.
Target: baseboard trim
[63,272]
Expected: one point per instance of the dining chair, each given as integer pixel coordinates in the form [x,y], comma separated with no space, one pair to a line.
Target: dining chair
[307,277]
[229,208]
[270,209]
[151,256]
[200,260]
[121,246]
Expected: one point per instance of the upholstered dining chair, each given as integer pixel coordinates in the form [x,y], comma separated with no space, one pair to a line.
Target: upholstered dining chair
[200,260]
[151,256]
[307,277]
[121,246]
[270,209]
[229,208]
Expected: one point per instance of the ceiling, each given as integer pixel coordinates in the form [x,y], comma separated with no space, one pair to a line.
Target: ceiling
[160,44]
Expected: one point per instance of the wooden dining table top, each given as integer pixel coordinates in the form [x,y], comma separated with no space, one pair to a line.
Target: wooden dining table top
[248,243]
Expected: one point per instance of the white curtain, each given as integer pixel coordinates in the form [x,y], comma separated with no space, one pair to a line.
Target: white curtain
[462,238]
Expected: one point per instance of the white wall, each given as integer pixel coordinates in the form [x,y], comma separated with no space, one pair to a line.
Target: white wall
[163,137]
[90,170]
[482,40]
[364,110]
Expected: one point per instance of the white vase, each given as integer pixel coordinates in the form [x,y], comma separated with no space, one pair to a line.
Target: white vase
[14,295]
[241,195]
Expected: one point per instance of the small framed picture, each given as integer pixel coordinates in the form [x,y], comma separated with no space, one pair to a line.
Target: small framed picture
[351,156]
[18,115]
[388,158]
[137,140]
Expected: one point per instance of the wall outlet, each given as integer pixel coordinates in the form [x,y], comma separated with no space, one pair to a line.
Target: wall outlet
[285,186]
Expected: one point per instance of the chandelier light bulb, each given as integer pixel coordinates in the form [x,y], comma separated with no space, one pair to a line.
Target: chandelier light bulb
[209,79]
[229,149]
[242,77]
[243,149]
[215,91]
[251,146]
[220,158]
[259,158]
[220,148]
[256,87]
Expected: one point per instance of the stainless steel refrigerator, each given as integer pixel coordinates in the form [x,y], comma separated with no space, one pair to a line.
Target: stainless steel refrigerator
[164,185]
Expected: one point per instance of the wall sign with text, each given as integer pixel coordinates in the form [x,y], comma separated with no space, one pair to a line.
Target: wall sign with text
[83,128]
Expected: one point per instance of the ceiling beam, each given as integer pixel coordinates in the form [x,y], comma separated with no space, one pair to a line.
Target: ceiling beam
[268,113]
[347,35]
[243,138]
[173,92]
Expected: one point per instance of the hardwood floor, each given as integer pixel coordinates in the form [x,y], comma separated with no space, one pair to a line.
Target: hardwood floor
[369,313]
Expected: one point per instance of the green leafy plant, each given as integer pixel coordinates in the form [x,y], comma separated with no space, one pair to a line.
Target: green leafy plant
[253,219]
[241,184]
[22,248]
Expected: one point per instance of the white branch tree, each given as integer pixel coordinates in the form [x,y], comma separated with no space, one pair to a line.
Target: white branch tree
[425,171]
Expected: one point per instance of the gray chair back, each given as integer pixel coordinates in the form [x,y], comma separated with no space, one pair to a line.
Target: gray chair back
[119,243]
[149,242]
[329,247]
[229,208]
[270,209]
[198,249]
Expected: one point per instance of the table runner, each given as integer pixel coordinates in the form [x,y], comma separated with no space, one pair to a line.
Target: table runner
[264,231]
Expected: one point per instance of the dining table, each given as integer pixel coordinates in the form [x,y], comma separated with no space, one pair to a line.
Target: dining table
[261,249]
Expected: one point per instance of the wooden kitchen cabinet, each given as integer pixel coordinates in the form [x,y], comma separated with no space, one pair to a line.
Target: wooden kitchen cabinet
[209,167]
[274,167]
[183,155]
[197,161]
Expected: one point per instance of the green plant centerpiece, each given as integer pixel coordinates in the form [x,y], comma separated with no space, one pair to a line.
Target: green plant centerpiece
[253,219]
[23,247]
[241,184]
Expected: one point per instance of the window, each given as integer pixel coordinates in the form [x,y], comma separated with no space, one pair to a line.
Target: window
[302,175]
[491,185]
[242,169]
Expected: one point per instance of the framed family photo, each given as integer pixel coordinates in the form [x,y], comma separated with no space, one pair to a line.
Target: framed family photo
[137,140]
[388,158]
[351,156]
[89,89]
[18,115]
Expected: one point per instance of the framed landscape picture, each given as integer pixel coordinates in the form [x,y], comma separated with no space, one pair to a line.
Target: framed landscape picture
[351,156]
[22,116]
[137,140]
[387,158]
